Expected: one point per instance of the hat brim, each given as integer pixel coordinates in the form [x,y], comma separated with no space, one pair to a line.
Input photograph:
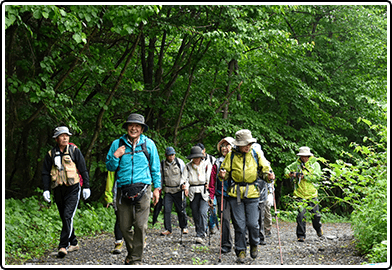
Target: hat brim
[69,134]
[244,143]
[304,154]
[218,146]
[195,156]
[145,127]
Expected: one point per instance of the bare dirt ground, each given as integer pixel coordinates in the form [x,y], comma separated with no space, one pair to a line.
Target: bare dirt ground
[337,248]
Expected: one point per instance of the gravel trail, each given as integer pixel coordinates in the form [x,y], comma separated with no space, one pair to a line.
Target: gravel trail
[336,249]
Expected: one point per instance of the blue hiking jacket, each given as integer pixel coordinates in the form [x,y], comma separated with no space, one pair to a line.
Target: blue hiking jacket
[133,167]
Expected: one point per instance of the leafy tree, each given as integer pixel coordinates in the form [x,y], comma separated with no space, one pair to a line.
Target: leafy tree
[293,75]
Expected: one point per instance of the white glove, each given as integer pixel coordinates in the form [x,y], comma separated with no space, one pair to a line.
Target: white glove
[270,200]
[47,196]
[86,193]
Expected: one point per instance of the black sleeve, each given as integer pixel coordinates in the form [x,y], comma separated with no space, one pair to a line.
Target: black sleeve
[81,166]
[46,168]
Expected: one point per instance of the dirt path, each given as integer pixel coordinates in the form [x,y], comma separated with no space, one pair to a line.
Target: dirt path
[336,249]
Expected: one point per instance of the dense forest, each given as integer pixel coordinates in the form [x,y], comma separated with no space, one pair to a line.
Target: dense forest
[294,75]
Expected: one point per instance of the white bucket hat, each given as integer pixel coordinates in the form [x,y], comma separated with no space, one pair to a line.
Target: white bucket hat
[243,137]
[229,140]
[304,151]
[60,130]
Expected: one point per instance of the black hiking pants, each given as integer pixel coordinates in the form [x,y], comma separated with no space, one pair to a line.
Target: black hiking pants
[313,207]
[67,200]
[179,205]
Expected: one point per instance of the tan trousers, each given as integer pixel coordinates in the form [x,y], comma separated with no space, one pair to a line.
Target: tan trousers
[267,218]
[134,216]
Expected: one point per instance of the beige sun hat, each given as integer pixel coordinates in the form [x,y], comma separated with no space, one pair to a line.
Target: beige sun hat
[243,137]
[229,140]
[304,151]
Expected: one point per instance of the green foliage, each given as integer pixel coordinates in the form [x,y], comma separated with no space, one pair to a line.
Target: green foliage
[378,253]
[364,185]
[292,74]
[33,227]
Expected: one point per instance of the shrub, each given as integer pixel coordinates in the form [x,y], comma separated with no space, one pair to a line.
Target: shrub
[33,227]
[364,184]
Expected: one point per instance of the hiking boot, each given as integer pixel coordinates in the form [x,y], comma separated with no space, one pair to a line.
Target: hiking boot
[320,233]
[165,232]
[253,251]
[225,250]
[117,247]
[267,233]
[262,243]
[73,248]
[301,239]
[129,262]
[185,231]
[62,252]
[241,257]
[199,240]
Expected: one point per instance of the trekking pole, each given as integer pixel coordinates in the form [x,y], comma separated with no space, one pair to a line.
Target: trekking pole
[221,226]
[209,229]
[277,227]
[183,206]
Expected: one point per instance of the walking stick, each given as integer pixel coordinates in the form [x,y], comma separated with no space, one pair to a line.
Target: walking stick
[221,226]
[183,206]
[277,227]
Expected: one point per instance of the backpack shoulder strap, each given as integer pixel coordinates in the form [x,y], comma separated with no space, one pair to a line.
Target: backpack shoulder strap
[255,156]
[178,164]
[71,150]
[163,173]
[145,151]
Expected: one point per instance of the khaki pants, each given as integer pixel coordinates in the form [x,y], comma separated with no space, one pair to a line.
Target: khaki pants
[267,217]
[136,216]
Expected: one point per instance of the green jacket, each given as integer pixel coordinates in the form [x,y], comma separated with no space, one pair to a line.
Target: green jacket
[109,187]
[245,170]
[311,174]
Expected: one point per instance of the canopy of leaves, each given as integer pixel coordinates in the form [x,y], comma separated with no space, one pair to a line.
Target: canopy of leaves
[293,75]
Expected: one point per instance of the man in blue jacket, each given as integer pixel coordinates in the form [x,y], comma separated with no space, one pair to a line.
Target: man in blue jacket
[134,158]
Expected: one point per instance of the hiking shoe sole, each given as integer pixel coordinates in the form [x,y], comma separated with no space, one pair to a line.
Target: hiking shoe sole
[62,252]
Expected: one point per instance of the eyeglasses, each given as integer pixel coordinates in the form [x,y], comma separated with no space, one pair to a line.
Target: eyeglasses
[224,146]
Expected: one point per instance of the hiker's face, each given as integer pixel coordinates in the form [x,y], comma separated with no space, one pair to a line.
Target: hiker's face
[170,158]
[225,148]
[134,131]
[62,140]
[304,159]
[245,149]
[196,161]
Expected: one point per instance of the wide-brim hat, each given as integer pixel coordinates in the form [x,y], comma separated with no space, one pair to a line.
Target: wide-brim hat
[304,151]
[61,130]
[196,152]
[229,140]
[136,119]
[243,137]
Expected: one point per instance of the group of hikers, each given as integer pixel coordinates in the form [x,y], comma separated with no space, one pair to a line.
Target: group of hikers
[239,184]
